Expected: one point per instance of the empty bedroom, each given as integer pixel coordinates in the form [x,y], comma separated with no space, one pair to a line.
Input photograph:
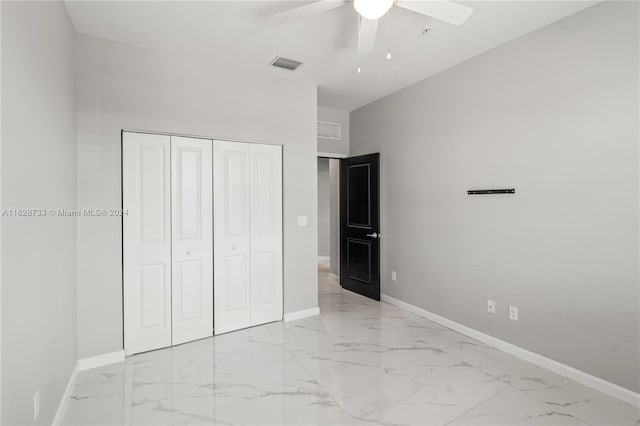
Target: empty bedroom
[322,212]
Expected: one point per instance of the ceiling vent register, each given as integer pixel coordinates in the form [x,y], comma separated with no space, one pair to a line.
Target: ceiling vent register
[284,63]
[329,130]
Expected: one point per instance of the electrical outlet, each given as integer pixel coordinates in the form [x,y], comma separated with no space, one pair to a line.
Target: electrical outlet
[302,221]
[491,306]
[513,313]
[393,275]
[36,404]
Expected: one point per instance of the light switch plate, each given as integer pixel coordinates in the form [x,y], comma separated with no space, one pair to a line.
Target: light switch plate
[302,221]
[491,306]
[393,275]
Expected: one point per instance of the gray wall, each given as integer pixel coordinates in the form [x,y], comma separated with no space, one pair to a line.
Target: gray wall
[334,116]
[121,86]
[334,221]
[555,115]
[38,171]
[324,207]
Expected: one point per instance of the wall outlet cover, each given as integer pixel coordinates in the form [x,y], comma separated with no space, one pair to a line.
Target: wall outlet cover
[491,306]
[302,221]
[393,275]
[513,313]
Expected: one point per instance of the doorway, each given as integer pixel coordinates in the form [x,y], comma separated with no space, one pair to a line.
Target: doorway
[329,217]
[349,224]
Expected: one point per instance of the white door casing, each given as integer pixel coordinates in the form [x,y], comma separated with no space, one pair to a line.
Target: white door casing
[232,257]
[266,233]
[192,239]
[147,241]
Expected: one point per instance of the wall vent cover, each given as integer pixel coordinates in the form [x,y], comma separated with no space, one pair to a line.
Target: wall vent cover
[287,64]
[328,130]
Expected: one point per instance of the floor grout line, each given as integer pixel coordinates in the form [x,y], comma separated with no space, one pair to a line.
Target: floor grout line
[477,405]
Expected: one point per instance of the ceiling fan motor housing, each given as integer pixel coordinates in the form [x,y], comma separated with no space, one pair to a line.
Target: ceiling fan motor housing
[372,9]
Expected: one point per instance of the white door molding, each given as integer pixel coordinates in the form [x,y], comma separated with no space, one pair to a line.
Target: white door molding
[331,155]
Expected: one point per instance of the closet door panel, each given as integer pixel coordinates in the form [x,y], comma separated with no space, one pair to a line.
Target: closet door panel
[266,233]
[192,239]
[232,257]
[146,241]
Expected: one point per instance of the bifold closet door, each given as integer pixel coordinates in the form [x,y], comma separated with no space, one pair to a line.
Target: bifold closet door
[266,233]
[192,239]
[146,174]
[247,234]
[231,230]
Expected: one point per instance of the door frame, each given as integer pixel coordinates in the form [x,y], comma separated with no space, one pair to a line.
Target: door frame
[333,156]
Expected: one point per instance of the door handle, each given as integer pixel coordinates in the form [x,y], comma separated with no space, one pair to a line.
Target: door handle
[374,235]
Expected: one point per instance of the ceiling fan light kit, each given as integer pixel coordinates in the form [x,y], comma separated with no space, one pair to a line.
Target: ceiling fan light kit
[372,9]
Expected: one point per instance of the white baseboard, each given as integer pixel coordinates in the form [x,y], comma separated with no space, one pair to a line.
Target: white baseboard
[579,376]
[81,365]
[324,258]
[62,407]
[100,360]
[334,276]
[293,316]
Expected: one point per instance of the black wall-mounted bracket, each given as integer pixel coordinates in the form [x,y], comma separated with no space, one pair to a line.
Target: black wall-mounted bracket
[491,191]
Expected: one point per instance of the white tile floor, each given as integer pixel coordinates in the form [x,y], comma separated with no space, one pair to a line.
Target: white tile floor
[359,362]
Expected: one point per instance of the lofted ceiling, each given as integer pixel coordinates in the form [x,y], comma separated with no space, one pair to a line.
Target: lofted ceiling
[246,34]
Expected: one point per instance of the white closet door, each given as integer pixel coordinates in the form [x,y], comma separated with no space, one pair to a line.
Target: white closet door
[232,290]
[266,233]
[147,242]
[192,239]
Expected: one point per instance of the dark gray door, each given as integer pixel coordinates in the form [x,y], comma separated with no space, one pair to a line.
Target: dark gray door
[360,225]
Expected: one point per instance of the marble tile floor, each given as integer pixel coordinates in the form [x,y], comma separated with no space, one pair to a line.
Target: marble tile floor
[359,362]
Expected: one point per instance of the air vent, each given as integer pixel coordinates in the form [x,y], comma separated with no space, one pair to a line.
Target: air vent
[287,64]
[328,130]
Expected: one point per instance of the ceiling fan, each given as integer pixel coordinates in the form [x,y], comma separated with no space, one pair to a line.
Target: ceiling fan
[371,11]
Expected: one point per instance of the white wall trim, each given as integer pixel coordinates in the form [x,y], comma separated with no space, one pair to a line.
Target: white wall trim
[81,365]
[64,402]
[293,316]
[324,258]
[334,276]
[100,360]
[332,155]
[579,376]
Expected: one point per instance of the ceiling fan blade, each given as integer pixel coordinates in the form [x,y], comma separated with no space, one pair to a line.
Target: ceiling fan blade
[367,36]
[443,10]
[310,9]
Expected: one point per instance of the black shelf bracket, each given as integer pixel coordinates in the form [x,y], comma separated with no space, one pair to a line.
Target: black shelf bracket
[491,191]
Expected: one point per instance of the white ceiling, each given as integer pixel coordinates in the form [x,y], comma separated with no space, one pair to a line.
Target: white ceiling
[246,34]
